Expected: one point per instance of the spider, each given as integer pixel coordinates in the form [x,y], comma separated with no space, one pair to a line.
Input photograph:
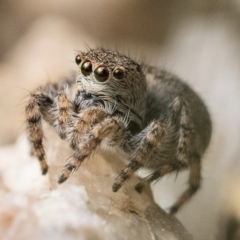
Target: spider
[146,112]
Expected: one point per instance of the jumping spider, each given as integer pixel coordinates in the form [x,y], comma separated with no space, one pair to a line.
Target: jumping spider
[149,113]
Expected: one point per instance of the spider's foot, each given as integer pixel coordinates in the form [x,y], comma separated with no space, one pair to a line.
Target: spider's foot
[44,171]
[62,179]
[116,186]
[173,210]
[67,171]
[139,187]
[44,167]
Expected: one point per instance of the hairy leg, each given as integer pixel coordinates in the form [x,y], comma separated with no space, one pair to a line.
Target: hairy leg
[109,127]
[194,183]
[151,139]
[178,117]
[187,154]
[41,105]
[62,113]
[35,131]
[81,122]
[146,147]
[186,137]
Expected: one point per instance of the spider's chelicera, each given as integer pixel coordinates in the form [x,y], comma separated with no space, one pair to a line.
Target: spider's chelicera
[148,113]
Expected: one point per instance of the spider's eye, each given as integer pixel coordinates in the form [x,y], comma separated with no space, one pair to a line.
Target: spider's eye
[118,73]
[78,59]
[86,68]
[101,74]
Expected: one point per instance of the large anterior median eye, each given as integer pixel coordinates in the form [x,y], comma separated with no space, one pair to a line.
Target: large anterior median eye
[78,59]
[86,68]
[101,74]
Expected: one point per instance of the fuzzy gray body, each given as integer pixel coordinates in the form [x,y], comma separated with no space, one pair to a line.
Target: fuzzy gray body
[163,88]
[154,117]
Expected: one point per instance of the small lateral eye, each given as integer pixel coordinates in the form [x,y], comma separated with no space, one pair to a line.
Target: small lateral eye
[86,68]
[118,73]
[101,74]
[78,59]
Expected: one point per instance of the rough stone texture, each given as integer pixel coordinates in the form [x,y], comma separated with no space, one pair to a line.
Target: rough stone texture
[35,207]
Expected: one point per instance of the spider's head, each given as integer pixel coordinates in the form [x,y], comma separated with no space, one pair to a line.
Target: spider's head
[115,79]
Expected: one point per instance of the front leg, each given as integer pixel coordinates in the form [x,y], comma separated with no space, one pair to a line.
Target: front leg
[34,128]
[40,106]
[151,139]
[62,113]
[81,122]
[109,127]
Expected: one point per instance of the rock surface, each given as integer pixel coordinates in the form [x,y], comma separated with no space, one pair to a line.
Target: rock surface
[35,207]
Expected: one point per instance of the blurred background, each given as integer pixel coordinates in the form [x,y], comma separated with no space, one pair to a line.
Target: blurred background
[198,40]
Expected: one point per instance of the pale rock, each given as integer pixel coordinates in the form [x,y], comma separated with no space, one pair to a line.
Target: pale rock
[36,207]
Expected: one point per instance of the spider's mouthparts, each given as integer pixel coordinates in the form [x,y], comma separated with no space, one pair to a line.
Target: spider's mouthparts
[86,96]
